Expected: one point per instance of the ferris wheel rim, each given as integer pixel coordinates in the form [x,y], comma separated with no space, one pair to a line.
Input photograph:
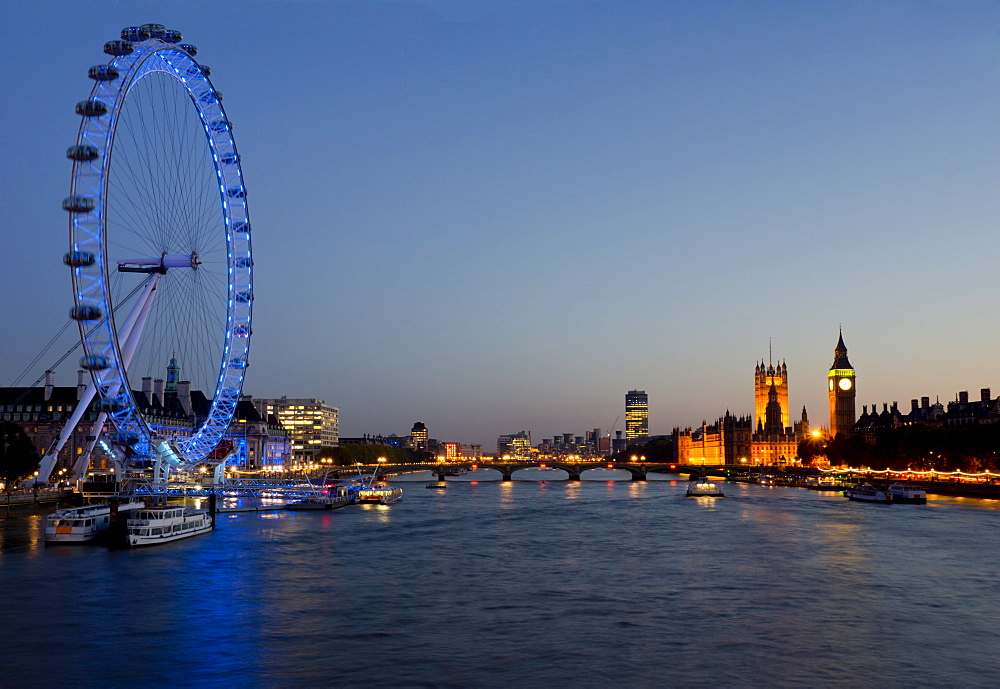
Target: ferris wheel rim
[133,62]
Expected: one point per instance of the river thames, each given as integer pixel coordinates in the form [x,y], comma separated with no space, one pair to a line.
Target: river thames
[583,584]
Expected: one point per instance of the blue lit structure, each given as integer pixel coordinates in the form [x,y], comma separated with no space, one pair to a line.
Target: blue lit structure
[158,208]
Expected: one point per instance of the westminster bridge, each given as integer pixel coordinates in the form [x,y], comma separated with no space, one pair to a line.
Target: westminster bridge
[574,469]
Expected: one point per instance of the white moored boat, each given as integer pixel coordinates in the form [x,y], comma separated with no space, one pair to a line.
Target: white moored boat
[867,493]
[331,500]
[383,495]
[902,492]
[155,525]
[703,488]
[371,491]
[82,524]
[821,483]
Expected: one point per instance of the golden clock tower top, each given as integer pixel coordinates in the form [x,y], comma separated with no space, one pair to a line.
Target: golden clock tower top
[842,391]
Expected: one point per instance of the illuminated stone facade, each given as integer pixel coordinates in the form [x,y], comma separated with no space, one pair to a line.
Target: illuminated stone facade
[764,378]
[842,392]
[727,441]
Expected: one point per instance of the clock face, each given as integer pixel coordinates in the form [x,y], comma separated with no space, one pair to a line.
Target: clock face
[845,383]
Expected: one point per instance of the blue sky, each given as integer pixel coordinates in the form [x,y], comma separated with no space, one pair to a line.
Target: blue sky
[501,216]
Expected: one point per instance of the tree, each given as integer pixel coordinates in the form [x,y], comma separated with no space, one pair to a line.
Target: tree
[810,448]
[18,457]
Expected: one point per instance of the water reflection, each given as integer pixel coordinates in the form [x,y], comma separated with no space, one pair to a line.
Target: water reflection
[521,583]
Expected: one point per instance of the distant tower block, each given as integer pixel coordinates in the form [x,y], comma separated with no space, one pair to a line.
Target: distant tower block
[636,415]
[764,378]
[842,392]
[418,436]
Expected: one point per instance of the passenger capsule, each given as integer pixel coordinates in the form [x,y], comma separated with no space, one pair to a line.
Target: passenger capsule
[135,34]
[102,73]
[188,48]
[97,362]
[236,193]
[118,48]
[154,30]
[111,404]
[171,36]
[206,70]
[244,297]
[79,259]
[243,262]
[219,126]
[85,313]
[91,108]
[79,204]
[82,152]
[242,227]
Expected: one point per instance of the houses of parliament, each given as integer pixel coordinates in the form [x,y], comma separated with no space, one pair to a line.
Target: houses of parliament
[769,437]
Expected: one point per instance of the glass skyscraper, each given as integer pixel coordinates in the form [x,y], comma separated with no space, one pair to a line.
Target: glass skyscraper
[636,415]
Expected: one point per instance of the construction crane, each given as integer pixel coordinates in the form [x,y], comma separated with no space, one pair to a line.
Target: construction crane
[614,425]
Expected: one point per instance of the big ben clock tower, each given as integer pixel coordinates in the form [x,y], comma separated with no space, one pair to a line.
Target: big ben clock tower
[842,392]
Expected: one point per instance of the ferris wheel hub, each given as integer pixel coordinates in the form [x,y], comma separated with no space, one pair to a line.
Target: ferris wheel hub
[159,265]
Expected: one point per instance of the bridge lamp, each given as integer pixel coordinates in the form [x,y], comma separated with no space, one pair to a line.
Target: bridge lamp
[634,458]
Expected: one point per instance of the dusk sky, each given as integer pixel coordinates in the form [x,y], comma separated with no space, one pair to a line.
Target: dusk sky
[501,216]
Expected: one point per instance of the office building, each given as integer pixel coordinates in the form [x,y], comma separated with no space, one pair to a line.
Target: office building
[636,415]
[311,424]
[418,436]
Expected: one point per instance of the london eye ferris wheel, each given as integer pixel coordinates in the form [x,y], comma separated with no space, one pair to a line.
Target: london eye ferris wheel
[159,242]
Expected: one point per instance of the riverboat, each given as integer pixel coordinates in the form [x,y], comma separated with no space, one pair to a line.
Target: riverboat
[82,524]
[320,502]
[703,488]
[763,480]
[867,493]
[904,493]
[156,525]
[381,495]
[821,483]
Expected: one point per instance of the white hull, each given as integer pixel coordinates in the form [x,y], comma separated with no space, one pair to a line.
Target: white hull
[380,496]
[908,494]
[869,494]
[312,504]
[156,525]
[82,524]
[704,489]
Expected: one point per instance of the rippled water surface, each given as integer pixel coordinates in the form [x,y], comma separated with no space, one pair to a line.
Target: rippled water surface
[583,584]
